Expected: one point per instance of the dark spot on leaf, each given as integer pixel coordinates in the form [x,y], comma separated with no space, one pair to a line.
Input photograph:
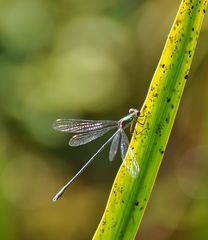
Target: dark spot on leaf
[172,106]
[161,151]
[159,129]
[136,203]
[122,201]
[167,119]
[192,29]
[121,190]
[163,65]
[168,100]
[186,76]
[141,208]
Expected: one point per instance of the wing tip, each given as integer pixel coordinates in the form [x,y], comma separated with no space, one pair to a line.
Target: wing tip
[56,122]
[59,125]
[72,142]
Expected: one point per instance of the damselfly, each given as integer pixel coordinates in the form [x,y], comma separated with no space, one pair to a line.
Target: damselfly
[89,130]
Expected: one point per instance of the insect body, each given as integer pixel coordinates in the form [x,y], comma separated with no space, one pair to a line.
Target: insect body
[89,130]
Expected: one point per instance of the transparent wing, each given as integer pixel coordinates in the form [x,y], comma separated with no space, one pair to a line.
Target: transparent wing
[81,126]
[132,165]
[87,137]
[124,144]
[114,146]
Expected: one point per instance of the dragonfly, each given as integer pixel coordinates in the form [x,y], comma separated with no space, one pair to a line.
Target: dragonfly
[88,130]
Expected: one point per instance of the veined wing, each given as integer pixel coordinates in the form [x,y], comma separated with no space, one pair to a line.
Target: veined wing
[114,145]
[124,144]
[132,165]
[81,126]
[89,136]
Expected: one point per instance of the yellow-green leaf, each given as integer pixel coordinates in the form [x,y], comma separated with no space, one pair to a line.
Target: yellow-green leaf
[129,195]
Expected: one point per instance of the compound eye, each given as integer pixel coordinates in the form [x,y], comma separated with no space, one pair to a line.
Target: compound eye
[135,111]
[131,110]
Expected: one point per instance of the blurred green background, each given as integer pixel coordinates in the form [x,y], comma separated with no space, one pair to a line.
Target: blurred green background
[92,60]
